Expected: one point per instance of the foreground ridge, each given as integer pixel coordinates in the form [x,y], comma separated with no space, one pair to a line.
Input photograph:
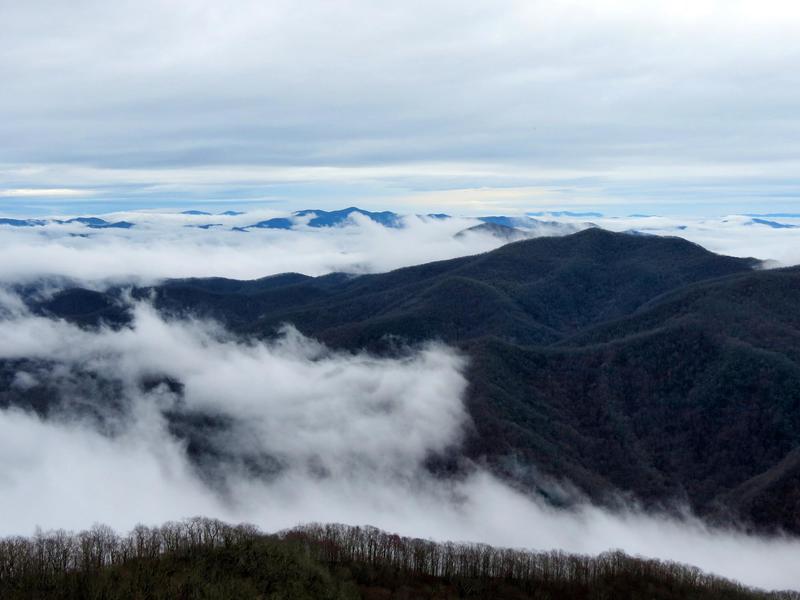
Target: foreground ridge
[206,558]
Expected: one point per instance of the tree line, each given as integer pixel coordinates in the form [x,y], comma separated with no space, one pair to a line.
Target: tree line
[209,559]
[343,544]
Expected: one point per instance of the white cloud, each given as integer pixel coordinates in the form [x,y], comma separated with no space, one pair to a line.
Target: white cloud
[735,235]
[350,433]
[159,246]
[616,99]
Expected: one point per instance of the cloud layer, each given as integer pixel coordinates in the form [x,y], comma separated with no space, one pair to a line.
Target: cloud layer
[302,434]
[564,102]
[162,244]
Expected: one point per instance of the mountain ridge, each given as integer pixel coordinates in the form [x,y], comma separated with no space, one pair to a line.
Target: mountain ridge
[626,365]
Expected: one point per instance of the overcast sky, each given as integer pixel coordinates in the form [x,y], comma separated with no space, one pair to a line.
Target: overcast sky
[619,105]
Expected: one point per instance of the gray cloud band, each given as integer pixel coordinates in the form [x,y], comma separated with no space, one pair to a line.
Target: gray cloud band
[631,102]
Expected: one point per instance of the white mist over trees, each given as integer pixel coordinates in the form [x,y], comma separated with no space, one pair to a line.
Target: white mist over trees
[348,435]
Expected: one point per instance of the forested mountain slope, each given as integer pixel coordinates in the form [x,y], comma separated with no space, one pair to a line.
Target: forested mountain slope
[627,364]
[533,291]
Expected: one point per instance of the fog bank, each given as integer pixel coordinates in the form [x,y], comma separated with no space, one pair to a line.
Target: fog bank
[294,432]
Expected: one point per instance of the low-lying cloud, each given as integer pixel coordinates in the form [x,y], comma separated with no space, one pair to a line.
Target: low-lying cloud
[163,245]
[290,432]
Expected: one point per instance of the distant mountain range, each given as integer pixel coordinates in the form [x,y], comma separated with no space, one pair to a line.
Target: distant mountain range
[22,222]
[630,366]
[504,227]
[91,222]
[338,218]
[316,218]
[324,218]
[773,224]
[97,223]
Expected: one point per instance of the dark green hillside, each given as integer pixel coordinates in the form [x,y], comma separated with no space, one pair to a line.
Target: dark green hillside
[617,363]
[675,413]
[530,292]
[207,559]
[758,307]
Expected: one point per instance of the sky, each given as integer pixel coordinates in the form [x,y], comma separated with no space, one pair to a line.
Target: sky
[623,106]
